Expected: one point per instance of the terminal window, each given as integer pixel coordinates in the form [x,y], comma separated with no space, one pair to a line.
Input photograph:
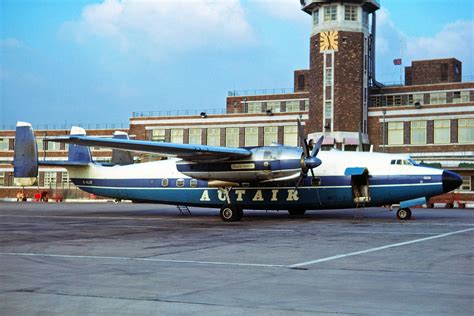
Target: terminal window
[232,137]
[418,132]
[395,133]
[251,136]
[177,136]
[158,135]
[3,143]
[466,130]
[270,135]
[442,131]
[195,136]
[214,136]
[290,135]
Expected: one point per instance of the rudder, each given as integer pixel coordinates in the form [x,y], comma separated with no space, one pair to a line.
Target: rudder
[25,162]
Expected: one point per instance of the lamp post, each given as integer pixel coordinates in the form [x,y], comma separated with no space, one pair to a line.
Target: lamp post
[383,129]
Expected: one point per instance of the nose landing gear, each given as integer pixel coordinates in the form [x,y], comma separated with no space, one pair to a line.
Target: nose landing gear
[404,214]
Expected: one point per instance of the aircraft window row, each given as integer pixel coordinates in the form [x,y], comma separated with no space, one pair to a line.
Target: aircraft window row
[193,183]
[405,162]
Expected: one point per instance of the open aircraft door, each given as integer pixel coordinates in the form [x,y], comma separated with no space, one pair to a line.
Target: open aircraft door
[359,184]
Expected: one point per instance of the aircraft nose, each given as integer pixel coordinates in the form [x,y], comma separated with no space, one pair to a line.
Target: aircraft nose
[450,180]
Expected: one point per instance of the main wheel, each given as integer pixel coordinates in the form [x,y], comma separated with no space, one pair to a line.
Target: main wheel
[404,214]
[296,212]
[231,213]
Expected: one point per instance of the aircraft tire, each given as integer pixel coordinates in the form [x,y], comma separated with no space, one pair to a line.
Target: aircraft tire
[404,214]
[296,212]
[231,213]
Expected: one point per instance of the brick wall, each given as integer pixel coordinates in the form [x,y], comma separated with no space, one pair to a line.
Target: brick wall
[433,71]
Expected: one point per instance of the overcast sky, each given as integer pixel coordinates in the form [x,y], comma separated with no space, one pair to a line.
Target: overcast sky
[79,61]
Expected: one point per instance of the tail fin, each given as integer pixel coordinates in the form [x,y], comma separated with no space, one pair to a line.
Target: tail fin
[121,157]
[25,162]
[78,153]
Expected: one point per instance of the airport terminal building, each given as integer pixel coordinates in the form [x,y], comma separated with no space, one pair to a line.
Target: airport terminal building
[430,116]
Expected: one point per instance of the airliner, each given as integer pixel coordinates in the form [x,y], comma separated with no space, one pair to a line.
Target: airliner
[277,177]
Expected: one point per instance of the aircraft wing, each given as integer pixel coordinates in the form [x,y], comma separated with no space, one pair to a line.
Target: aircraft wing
[187,152]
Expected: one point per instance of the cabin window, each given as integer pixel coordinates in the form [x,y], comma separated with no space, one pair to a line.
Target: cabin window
[193,183]
[466,130]
[180,183]
[290,136]
[418,132]
[164,182]
[232,137]
[195,136]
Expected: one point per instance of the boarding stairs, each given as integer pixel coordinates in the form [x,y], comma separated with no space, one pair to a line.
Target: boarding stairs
[184,210]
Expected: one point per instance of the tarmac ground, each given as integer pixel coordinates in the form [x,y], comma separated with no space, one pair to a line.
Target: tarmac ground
[104,258]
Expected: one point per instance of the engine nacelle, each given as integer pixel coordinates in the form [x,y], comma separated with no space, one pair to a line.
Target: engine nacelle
[270,163]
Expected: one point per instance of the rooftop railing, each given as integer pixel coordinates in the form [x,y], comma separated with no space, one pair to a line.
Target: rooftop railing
[178,112]
[67,126]
[239,93]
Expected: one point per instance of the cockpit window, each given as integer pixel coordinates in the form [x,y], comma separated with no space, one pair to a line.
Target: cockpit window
[405,162]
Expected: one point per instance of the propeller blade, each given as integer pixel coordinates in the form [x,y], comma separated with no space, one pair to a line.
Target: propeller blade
[302,138]
[317,147]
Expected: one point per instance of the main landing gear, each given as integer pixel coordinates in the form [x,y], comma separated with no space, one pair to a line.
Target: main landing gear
[404,214]
[231,213]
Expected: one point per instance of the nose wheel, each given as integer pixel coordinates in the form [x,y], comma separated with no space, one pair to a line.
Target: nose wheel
[404,214]
[231,213]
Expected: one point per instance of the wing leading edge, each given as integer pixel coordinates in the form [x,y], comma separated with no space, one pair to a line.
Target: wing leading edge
[187,152]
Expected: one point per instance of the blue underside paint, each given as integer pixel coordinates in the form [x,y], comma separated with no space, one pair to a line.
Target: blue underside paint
[413,202]
[334,192]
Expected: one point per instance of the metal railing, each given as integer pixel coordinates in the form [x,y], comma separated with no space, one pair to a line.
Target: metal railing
[178,112]
[67,126]
[239,93]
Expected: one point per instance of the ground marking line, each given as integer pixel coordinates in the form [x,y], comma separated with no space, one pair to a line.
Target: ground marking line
[26,254]
[306,263]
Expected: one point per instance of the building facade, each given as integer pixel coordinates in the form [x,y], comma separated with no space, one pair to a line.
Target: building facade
[430,116]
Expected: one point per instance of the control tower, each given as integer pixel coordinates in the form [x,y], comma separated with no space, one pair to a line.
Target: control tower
[342,67]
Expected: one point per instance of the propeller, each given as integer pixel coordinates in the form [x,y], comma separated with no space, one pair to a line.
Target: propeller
[309,161]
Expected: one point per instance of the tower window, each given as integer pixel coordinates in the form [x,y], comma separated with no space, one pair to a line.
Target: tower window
[351,13]
[301,83]
[316,17]
[330,13]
